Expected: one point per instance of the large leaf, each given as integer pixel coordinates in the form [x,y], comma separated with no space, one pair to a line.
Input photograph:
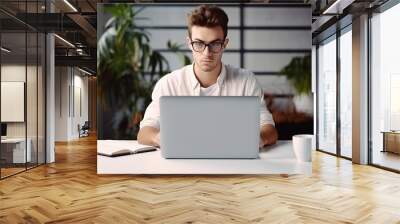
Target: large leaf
[298,72]
[128,67]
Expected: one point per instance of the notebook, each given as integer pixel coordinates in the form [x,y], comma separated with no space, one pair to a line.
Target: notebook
[111,150]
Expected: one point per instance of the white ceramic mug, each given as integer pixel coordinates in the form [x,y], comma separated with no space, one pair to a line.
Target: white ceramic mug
[302,147]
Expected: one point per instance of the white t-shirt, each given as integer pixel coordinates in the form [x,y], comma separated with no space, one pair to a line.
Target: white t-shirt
[209,91]
[183,82]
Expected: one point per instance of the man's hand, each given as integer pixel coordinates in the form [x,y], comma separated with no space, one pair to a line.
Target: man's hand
[157,139]
[261,143]
[268,135]
[149,136]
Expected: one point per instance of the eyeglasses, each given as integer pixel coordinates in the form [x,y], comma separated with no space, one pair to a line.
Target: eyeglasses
[200,46]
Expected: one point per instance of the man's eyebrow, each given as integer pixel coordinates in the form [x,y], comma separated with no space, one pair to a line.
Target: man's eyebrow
[196,39]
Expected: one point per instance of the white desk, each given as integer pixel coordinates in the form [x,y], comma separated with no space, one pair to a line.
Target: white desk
[18,151]
[277,159]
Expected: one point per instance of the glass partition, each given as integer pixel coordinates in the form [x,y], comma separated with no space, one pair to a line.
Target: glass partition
[22,89]
[31,100]
[41,91]
[14,153]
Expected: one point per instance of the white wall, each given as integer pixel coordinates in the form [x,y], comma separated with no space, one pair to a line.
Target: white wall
[71,94]
[61,103]
[33,126]
[16,72]
[80,102]
[13,100]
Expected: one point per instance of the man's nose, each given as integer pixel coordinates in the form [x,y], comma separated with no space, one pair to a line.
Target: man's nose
[207,50]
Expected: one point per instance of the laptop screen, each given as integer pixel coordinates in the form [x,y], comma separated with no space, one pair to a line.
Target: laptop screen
[3,129]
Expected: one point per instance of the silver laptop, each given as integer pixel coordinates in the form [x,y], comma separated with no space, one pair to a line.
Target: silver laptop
[209,127]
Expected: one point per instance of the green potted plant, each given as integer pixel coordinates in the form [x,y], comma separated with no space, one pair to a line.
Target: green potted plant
[127,70]
[298,72]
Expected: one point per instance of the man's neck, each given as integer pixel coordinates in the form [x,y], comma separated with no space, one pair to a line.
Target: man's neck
[207,79]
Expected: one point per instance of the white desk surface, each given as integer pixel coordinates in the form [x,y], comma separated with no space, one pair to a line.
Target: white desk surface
[277,159]
[13,140]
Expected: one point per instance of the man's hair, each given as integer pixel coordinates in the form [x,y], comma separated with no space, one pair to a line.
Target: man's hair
[208,16]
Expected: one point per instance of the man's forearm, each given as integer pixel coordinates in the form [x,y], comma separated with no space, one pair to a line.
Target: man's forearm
[268,134]
[149,136]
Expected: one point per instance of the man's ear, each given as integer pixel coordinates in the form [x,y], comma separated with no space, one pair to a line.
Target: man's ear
[226,42]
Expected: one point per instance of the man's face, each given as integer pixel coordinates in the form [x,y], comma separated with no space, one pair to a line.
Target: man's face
[209,58]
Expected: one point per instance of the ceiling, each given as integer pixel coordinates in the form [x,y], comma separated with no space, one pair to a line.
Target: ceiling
[76,25]
[74,22]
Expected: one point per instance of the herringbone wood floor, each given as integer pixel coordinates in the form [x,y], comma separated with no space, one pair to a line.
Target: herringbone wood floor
[70,191]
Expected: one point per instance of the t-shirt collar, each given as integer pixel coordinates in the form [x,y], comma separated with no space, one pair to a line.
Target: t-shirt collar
[220,79]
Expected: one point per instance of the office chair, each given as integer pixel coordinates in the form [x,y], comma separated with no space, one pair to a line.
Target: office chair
[84,130]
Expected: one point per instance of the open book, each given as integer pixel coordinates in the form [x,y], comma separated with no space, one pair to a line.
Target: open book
[113,150]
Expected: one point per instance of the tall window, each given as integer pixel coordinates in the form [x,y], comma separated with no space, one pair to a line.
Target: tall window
[385,88]
[346,92]
[327,95]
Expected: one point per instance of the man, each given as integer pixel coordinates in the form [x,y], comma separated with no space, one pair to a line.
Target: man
[207,76]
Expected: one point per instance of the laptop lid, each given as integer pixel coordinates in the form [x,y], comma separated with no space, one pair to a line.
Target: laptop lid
[209,126]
